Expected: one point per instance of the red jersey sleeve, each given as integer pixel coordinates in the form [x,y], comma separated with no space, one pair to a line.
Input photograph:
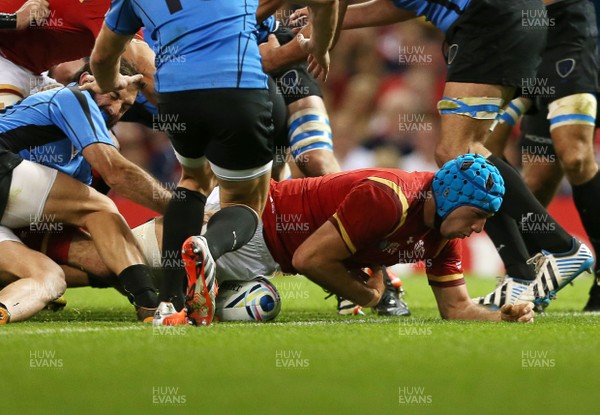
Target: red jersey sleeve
[445,268]
[369,213]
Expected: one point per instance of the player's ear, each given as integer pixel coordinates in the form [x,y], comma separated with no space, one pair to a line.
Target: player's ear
[85,78]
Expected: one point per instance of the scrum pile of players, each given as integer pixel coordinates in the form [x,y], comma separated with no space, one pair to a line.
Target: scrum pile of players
[220,80]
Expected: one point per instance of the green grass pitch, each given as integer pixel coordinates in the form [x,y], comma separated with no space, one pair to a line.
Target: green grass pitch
[93,358]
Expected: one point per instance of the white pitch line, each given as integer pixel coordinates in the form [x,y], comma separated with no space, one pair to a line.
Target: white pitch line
[146,327]
[72,330]
[572,314]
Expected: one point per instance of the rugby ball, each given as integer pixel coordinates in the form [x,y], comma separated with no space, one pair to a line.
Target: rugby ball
[254,300]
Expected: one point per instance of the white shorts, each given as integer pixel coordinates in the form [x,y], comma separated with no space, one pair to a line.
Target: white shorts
[145,235]
[8,235]
[31,183]
[250,261]
[21,81]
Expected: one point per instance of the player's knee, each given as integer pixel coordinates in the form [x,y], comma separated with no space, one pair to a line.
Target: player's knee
[443,153]
[101,204]
[55,285]
[49,277]
[578,165]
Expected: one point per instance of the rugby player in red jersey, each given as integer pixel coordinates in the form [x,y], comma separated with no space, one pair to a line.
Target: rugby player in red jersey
[66,33]
[329,228]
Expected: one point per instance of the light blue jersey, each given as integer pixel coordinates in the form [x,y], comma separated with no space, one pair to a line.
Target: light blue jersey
[199,44]
[53,127]
[62,156]
[268,26]
[441,13]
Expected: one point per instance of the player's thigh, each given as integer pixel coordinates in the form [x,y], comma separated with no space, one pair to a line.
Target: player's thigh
[30,186]
[465,128]
[252,192]
[71,201]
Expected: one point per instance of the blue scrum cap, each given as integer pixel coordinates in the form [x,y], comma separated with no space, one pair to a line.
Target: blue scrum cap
[468,180]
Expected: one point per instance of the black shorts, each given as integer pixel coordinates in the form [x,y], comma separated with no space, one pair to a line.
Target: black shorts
[490,44]
[232,127]
[296,82]
[280,130]
[569,61]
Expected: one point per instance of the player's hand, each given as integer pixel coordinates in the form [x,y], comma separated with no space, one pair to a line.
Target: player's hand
[318,60]
[32,11]
[268,53]
[88,83]
[522,313]
[299,19]
[375,282]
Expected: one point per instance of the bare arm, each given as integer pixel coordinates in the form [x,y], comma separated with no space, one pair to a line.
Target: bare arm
[454,303]
[127,179]
[276,57]
[142,57]
[266,8]
[320,258]
[374,13]
[105,60]
[32,11]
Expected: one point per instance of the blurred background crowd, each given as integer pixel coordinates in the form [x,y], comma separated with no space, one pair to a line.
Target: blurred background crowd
[381,95]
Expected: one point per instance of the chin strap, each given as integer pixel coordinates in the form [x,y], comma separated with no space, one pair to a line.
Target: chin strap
[437,221]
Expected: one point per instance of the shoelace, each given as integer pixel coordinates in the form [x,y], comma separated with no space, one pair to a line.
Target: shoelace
[538,260]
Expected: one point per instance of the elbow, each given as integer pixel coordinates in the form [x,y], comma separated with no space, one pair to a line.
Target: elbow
[115,177]
[304,261]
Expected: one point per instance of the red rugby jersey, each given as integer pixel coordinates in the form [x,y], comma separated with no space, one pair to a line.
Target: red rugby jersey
[378,213]
[67,34]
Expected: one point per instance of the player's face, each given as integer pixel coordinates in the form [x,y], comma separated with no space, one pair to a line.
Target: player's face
[115,104]
[463,221]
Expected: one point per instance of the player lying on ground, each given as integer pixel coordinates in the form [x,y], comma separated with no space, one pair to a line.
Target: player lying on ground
[33,195]
[329,228]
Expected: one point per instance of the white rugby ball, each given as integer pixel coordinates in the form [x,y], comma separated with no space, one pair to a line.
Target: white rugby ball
[254,300]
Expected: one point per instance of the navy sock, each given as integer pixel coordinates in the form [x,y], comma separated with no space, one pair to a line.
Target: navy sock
[139,286]
[183,219]
[230,229]
[520,204]
[586,200]
[505,234]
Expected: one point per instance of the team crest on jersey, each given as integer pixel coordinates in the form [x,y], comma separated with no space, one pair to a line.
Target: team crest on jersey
[452,52]
[388,247]
[420,249]
[564,67]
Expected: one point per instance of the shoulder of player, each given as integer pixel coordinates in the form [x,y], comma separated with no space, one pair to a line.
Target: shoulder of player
[400,185]
[64,98]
